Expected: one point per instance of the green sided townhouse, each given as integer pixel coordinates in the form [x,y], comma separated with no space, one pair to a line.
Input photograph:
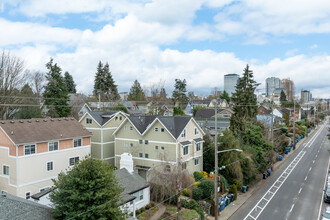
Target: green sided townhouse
[102,125]
[155,141]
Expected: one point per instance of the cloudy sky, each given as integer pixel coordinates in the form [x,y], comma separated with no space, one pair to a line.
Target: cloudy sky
[160,40]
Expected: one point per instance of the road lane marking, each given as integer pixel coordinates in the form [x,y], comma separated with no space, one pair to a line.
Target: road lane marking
[291,207]
[313,161]
[325,181]
[300,190]
[305,178]
[310,169]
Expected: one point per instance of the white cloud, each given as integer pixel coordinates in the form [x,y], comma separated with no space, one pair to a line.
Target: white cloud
[314,46]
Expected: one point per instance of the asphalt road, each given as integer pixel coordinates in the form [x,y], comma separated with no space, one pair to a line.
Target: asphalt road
[294,191]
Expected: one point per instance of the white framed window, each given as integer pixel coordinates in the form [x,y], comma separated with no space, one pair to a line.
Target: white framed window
[162,130]
[168,168]
[120,118]
[139,195]
[198,146]
[146,155]
[116,118]
[196,161]
[185,150]
[140,154]
[77,142]
[53,146]
[73,161]
[156,147]
[196,131]
[27,195]
[5,170]
[125,127]
[125,144]
[131,144]
[89,121]
[146,141]
[156,129]
[183,133]
[162,147]
[50,165]
[43,189]
[131,128]
[140,141]
[29,149]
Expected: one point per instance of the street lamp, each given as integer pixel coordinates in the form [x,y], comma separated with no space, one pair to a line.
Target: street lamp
[236,149]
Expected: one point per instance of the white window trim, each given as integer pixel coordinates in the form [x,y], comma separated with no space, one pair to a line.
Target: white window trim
[73,142]
[197,158]
[183,150]
[44,188]
[200,147]
[196,133]
[91,120]
[47,165]
[156,129]
[58,145]
[3,174]
[35,146]
[73,161]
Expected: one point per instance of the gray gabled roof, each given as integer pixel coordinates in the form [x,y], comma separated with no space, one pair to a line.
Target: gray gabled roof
[13,207]
[208,112]
[185,143]
[174,124]
[131,182]
[102,117]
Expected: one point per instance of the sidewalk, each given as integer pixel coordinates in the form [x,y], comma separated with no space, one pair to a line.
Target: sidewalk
[243,197]
[159,213]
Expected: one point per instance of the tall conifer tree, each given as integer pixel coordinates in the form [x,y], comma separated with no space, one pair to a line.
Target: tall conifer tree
[70,85]
[136,93]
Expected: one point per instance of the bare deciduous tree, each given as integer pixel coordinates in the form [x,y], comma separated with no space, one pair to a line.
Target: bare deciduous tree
[38,81]
[12,78]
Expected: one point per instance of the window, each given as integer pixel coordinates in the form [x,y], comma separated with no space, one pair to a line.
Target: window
[116,118]
[29,149]
[162,130]
[131,128]
[156,129]
[196,161]
[73,161]
[125,144]
[163,148]
[184,165]
[139,195]
[140,141]
[5,170]
[146,155]
[89,121]
[167,168]
[185,150]
[183,133]
[120,118]
[126,127]
[43,189]
[145,141]
[198,146]
[50,166]
[77,142]
[196,131]
[131,144]
[140,154]
[156,147]
[53,146]
[27,195]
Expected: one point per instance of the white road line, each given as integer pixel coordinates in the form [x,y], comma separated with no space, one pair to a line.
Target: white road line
[310,169]
[316,156]
[305,178]
[313,161]
[325,181]
[291,207]
[300,190]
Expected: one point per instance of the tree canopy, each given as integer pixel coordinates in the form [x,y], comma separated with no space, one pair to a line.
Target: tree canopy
[31,104]
[56,93]
[136,93]
[70,85]
[282,97]
[225,96]
[179,93]
[104,84]
[89,190]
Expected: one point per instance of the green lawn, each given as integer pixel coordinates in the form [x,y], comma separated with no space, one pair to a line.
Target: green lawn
[170,213]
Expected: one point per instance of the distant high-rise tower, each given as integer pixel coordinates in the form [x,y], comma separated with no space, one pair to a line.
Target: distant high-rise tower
[289,86]
[305,96]
[272,83]
[230,82]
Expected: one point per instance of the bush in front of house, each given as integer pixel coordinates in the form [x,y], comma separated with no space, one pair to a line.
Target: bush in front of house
[197,193]
[207,187]
[198,176]
[192,204]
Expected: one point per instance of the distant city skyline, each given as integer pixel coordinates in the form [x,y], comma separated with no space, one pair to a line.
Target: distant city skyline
[153,41]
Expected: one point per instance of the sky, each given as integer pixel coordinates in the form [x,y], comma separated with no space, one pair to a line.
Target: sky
[158,41]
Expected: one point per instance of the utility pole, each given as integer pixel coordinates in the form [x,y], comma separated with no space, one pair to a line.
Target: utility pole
[216,162]
[272,129]
[294,124]
[179,184]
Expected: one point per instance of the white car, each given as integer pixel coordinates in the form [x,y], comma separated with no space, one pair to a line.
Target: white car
[326,214]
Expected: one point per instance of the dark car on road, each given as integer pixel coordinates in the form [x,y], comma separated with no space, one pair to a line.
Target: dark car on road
[327,195]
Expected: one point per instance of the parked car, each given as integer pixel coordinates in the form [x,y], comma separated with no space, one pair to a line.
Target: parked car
[327,194]
[326,214]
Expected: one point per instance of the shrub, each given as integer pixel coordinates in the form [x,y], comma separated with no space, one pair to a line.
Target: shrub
[152,204]
[204,174]
[142,210]
[192,204]
[138,212]
[148,207]
[238,183]
[186,192]
[233,189]
[207,187]
[197,193]
[198,176]
[197,183]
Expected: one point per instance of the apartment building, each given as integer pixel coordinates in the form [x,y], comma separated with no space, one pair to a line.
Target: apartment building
[102,124]
[35,151]
[155,141]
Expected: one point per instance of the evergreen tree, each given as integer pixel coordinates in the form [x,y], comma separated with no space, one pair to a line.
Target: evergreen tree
[70,85]
[89,190]
[225,96]
[282,97]
[179,93]
[245,108]
[162,94]
[104,83]
[56,93]
[136,93]
[32,111]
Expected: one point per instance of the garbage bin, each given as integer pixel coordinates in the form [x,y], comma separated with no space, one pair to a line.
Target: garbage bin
[265,175]
[287,151]
[244,189]
[279,157]
[269,172]
[228,201]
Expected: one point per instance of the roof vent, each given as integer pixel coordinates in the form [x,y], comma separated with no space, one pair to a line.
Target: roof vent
[66,119]
[45,120]
[61,135]
[72,119]
[3,122]
[29,121]
[21,121]
[12,122]
[12,132]
[37,120]
[59,119]
[51,119]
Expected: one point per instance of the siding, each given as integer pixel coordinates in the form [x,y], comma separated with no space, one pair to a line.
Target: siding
[5,141]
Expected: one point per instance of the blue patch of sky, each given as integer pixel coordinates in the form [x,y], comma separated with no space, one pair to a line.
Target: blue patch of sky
[205,15]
